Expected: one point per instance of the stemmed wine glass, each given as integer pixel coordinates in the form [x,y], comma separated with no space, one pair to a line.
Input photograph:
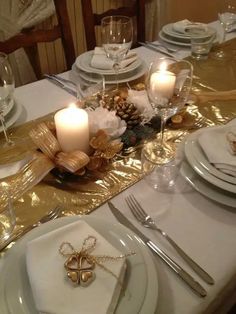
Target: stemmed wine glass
[227,18]
[90,86]
[168,86]
[117,37]
[7,85]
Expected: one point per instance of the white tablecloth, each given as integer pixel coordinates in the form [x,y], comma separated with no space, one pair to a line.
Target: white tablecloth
[204,229]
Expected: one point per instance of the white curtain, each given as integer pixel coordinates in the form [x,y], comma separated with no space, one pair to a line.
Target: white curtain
[14,16]
[155,17]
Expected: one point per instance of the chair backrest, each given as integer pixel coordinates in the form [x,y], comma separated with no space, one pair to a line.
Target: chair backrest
[29,38]
[91,19]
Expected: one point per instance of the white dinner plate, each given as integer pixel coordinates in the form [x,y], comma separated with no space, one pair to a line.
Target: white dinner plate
[84,63]
[141,281]
[205,188]
[122,77]
[169,30]
[173,41]
[12,116]
[203,161]
[197,159]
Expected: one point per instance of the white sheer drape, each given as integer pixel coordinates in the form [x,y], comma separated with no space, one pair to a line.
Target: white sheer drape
[155,17]
[14,16]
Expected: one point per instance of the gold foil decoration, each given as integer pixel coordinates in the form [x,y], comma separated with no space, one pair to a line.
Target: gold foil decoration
[83,194]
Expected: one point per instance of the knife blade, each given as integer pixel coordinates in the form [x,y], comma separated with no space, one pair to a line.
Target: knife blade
[149,46]
[57,82]
[187,278]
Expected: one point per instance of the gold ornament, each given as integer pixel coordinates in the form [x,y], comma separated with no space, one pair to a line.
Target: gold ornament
[80,264]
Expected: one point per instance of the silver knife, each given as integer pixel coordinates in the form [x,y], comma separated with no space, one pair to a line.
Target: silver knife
[188,279]
[149,46]
[57,82]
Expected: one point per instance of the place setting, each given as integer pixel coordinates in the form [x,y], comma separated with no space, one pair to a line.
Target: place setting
[210,166]
[118,263]
[180,33]
[113,60]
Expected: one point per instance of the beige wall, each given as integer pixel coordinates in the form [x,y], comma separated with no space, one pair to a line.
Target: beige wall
[194,10]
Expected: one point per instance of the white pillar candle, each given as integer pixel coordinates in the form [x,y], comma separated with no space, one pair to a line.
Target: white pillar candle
[162,83]
[72,129]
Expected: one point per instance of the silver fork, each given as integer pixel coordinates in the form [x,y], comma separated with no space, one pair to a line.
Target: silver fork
[53,214]
[148,222]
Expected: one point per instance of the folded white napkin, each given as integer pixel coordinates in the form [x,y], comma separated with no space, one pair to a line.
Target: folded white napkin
[53,291]
[141,101]
[181,26]
[216,146]
[101,61]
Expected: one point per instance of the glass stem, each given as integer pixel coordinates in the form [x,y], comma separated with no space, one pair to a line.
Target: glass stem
[162,129]
[116,68]
[9,142]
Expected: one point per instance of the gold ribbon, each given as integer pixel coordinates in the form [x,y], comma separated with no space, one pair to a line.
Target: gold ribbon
[50,156]
[80,265]
[48,144]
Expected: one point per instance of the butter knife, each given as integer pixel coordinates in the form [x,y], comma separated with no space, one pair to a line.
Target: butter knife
[151,47]
[188,279]
[57,82]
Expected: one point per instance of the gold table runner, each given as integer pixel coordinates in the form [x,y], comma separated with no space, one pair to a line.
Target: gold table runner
[83,195]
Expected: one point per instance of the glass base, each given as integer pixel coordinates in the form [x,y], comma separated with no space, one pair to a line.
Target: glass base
[159,154]
[220,55]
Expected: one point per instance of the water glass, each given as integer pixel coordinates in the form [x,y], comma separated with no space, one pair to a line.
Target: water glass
[7,85]
[202,38]
[7,214]
[161,177]
[89,84]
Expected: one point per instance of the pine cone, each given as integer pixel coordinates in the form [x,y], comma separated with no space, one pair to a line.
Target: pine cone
[126,111]
[129,113]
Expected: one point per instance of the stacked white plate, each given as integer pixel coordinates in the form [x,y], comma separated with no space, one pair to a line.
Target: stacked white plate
[204,177]
[11,114]
[129,73]
[171,36]
[15,290]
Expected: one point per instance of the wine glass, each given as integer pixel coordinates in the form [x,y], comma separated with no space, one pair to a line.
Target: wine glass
[7,85]
[227,19]
[90,85]
[168,86]
[117,37]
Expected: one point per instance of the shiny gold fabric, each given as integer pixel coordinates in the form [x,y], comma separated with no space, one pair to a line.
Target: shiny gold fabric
[82,195]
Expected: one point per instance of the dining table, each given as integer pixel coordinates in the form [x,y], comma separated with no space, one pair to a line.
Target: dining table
[204,228]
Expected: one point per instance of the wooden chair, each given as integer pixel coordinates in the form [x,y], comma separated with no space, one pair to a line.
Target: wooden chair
[29,38]
[136,10]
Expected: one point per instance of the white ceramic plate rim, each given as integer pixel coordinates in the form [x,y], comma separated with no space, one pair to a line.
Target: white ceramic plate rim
[13,115]
[11,262]
[122,78]
[177,43]
[195,157]
[206,189]
[83,62]
[169,30]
